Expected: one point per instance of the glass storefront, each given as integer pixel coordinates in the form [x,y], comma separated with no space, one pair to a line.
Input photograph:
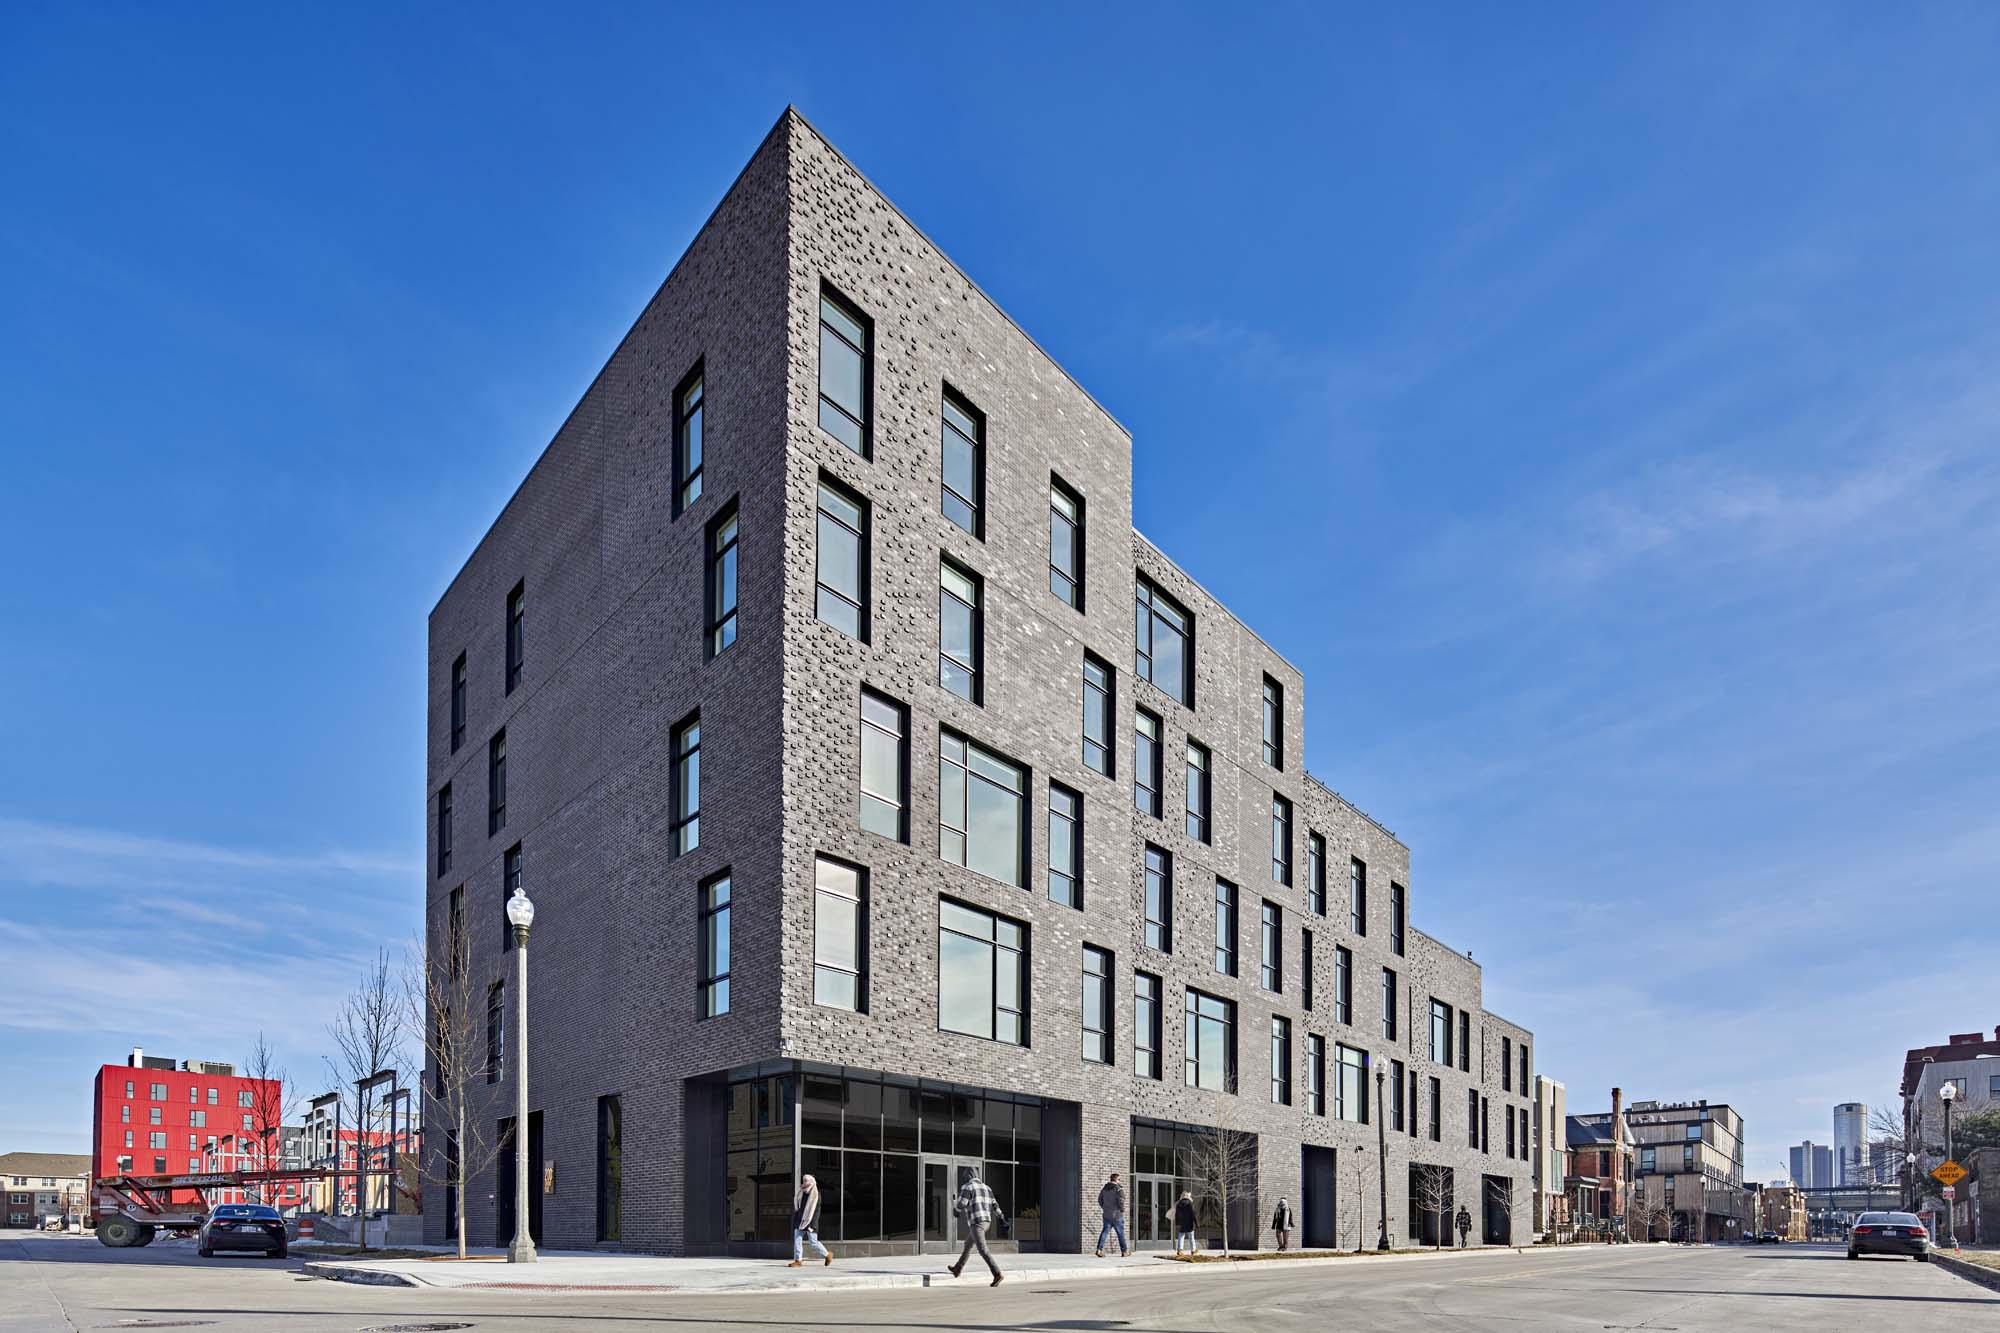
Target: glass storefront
[1163,1165]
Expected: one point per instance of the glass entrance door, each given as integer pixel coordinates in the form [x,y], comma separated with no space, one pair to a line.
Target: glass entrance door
[942,1178]
[1152,1218]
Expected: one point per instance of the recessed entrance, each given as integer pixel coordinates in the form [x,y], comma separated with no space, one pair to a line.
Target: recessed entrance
[942,1177]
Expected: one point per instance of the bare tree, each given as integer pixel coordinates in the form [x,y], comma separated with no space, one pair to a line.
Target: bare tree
[1646,1214]
[269,1107]
[1349,1206]
[1223,1164]
[367,1032]
[447,1007]
[1502,1194]
[1433,1189]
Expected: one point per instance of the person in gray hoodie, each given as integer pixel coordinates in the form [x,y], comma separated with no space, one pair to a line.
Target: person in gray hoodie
[1111,1203]
[1283,1223]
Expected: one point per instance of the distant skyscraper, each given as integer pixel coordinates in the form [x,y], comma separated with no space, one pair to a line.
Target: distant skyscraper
[1850,1143]
[1812,1165]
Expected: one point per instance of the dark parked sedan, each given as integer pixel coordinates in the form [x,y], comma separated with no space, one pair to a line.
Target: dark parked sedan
[1889,1233]
[242,1226]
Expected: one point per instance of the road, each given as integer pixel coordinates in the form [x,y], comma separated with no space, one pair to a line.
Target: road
[60,1283]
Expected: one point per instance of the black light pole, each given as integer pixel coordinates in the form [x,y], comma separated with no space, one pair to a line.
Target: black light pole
[1382,1160]
[1947,1094]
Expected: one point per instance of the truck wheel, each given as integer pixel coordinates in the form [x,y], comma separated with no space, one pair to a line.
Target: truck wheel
[118,1232]
[146,1235]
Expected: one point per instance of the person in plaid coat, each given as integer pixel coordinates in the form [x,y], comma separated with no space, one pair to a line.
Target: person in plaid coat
[976,1210]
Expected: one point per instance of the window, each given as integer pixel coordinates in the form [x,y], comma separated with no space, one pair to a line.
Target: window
[841,598]
[840,935]
[1315,873]
[1272,947]
[1306,969]
[1510,1129]
[1159,900]
[846,346]
[1197,790]
[610,1168]
[1146,762]
[510,880]
[980,818]
[496,1031]
[128,1138]
[885,766]
[1472,1118]
[125,1113]
[1440,1032]
[1145,1025]
[1522,1087]
[982,974]
[1396,1105]
[1506,1064]
[1350,1091]
[517,634]
[1274,723]
[157,1139]
[963,493]
[1281,839]
[959,630]
[455,933]
[198,1119]
[1693,1132]
[1646,1160]
[1357,896]
[1437,1111]
[1099,692]
[458,703]
[722,580]
[1343,984]
[1281,1060]
[685,834]
[1164,658]
[1097,974]
[128,1087]
[1065,543]
[1065,846]
[1396,917]
[1225,927]
[1465,1041]
[1211,1042]
[153,1115]
[444,829]
[496,783]
[1315,1073]
[1389,1005]
[687,441]
[713,904]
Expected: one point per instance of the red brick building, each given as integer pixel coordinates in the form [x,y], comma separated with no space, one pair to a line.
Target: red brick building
[156,1116]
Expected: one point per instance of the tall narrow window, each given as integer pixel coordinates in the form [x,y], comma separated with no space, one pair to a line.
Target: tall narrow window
[1508,1111]
[1389,1005]
[686,831]
[687,441]
[1440,1032]
[496,1031]
[1099,696]
[455,937]
[1350,1093]
[1197,790]
[1437,1111]
[1343,984]
[958,630]
[1306,969]
[885,766]
[1225,927]
[1165,633]
[1145,1025]
[840,934]
[982,974]
[1522,1087]
[1315,873]
[1472,1117]
[496,783]
[610,1168]
[1506,1064]
[1065,846]
[846,346]
[1281,839]
[962,494]
[840,564]
[1159,900]
[444,829]
[1357,897]
[1210,1042]
[981,820]
[1315,1073]
[1281,1060]
[458,703]
[1274,723]
[1097,975]
[517,634]
[1065,543]
[510,880]
[1271,949]
[714,905]
[1146,762]
[1396,913]
[1464,1041]
[722,581]
[1396,1102]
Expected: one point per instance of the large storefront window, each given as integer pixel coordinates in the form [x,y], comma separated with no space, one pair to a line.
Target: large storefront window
[1163,1165]
[759,1181]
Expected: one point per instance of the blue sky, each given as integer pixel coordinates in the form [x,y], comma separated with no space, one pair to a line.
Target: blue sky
[1599,404]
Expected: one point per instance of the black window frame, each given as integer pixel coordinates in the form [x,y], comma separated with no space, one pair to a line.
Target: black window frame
[1073,840]
[1150,600]
[1099,753]
[690,428]
[1075,523]
[828,484]
[445,821]
[952,400]
[684,786]
[458,702]
[517,634]
[1193,1015]
[865,422]
[975,670]
[900,738]
[1271,947]
[1343,985]
[1398,916]
[1360,1066]
[1315,1074]
[1147,770]
[721,562]
[496,782]
[610,1167]
[1148,997]
[1228,927]
[1200,797]
[1391,1003]
[1306,968]
[1023,960]
[496,1031]
[712,972]
[1357,895]
[968,747]
[1315,872]
[1281,1060]
[859,898]
[1282,816]
[1273,723]
[1157,869]
[1097,986]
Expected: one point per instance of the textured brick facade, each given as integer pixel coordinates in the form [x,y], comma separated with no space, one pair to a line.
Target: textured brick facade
[615,658]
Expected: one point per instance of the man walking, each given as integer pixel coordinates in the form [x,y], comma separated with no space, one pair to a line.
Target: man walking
[1111,1203]
[976,1210]
[1282,1223]
[1464,1225]
[1184,1223]
[805,1224]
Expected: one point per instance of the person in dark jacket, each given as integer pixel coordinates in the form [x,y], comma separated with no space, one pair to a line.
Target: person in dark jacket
[1464,1225]
[1184,1223]
[1283,1222]
[805,1224]
[1111,1203]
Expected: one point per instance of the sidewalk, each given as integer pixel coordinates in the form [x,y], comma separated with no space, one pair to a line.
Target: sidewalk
[592,1271]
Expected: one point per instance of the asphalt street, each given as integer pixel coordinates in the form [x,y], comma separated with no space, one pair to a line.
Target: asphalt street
[62,1283]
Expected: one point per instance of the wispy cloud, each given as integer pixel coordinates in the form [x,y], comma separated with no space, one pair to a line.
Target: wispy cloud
[41,853]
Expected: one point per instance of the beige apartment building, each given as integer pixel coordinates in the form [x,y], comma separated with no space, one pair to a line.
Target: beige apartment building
[1690,1169]
[1550,1161]
[1785,1210]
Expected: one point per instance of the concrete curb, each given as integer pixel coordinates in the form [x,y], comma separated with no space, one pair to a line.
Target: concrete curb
[1971,1272]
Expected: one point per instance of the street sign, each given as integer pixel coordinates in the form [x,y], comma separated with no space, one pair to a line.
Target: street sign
[1949,1194]
[1949,1172]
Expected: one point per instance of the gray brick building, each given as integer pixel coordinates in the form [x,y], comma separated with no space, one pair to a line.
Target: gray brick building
[887,800]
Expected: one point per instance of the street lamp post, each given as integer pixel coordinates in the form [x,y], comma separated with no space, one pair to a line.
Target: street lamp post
[1948,1094]
[1382,1161]
[521,915]
[1910,1178]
